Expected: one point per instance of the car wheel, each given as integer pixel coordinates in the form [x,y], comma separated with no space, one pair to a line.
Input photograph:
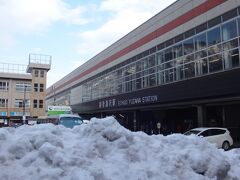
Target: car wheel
[225,145]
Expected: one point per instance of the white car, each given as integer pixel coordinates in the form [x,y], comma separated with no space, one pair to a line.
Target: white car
[219,136]
[86,121]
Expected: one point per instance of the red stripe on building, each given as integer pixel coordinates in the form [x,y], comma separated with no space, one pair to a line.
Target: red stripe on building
[199,10]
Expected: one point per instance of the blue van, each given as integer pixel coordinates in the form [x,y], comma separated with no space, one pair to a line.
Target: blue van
[69,120]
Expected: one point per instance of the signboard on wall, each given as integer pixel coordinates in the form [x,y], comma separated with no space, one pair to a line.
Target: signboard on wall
[4,113]
[19,113]
[56,110]
[110,103]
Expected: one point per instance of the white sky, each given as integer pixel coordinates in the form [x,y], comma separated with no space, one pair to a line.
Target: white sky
[71,31]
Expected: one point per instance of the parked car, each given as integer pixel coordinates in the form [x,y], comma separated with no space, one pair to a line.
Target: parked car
[86,121]
[219,136]
[67,120]
[70,120]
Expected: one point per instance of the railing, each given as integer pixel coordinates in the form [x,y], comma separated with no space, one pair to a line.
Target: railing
[13,68]
[40,59]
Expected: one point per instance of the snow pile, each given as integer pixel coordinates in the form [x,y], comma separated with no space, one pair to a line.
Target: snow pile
[104,150]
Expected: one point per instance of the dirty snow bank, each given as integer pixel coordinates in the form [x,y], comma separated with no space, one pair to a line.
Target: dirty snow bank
[104,150]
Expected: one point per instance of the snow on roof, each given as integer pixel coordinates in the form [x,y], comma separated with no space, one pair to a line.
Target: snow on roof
[104,150]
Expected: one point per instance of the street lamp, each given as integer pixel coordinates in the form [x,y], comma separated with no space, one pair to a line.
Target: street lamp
[24,102]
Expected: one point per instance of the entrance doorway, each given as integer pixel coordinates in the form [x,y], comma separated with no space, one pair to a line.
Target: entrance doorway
[170,121]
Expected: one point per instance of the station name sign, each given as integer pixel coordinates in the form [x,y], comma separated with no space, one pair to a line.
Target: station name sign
[110,103]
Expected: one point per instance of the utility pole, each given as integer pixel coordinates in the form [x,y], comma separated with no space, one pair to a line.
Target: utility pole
[24,103]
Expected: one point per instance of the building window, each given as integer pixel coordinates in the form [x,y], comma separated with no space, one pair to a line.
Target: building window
[144,82]
[152,80]
[160,58]
[168,54]
[201,28]
[214,22]
[215,63]
[151,61]
[19,103]
[189,33]
[189,70]
[41,88]
[20,86]
[214,49]
[229,30]
[230,44]
[42,73]
[239,26]
[229,15]
[138,83]
[35,87]
[201,54]
[214,36]
[179,72]
[170,75]
[231,59]
[40,103]
[161,78]
[200,42]
[3,85]
[36,73]
[35,103]
[177,50]
[3,103]
[188,46]
[201,66]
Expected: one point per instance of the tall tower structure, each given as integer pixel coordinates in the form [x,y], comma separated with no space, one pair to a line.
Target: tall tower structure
[38,66]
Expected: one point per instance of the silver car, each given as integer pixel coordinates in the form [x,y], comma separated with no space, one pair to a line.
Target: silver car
[219,136]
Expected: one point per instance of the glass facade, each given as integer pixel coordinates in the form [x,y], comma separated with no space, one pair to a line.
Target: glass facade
[208,48]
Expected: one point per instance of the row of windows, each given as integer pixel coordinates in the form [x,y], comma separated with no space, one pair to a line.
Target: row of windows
[39,73]
[213,50]
[208,41]
[23,86]
[203,27]
[190,33]
[19,103]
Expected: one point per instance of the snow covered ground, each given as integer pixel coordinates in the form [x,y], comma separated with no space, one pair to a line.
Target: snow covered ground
[104,150]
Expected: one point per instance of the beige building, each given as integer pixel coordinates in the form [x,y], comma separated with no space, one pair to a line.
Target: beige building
[23,89]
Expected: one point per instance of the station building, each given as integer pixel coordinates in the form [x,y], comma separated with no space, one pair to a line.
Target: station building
[180,69]
[23,90]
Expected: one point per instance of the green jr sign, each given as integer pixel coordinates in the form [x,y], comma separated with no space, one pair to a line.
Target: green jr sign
[56,110]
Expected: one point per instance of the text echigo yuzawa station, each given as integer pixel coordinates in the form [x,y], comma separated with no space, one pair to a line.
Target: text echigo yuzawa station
[180,69]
